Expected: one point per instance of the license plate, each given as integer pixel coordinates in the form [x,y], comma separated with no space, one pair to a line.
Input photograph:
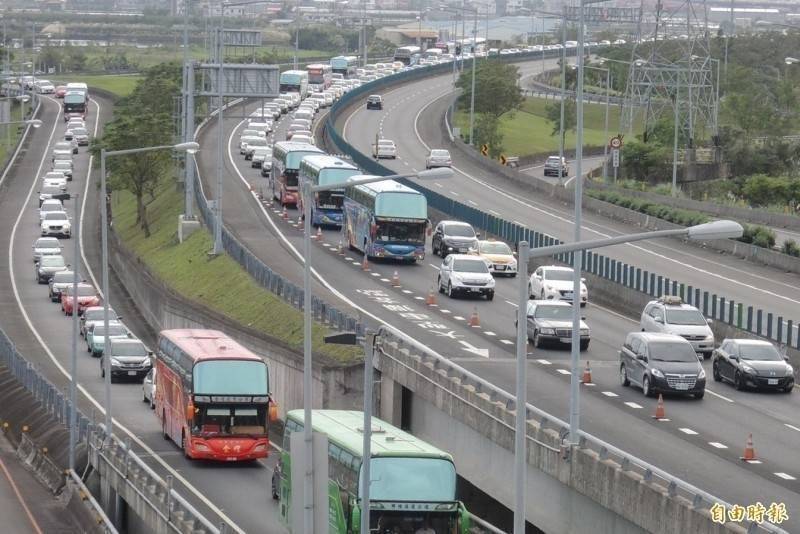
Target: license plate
[772,381]
[566,340]
[500,267]
[131,373]
[475,290]
[568,295]
[681,386]
[229,459]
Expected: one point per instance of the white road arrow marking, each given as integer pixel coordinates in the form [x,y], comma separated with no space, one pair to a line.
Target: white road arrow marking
[475,350]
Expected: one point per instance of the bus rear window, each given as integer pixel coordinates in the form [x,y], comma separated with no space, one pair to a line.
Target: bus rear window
[412,479]
[230,377]
[401,206]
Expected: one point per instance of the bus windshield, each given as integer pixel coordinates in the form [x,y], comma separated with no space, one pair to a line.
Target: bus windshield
[402,232]
[331,200]
[401,205]
[412,479]
[230,377]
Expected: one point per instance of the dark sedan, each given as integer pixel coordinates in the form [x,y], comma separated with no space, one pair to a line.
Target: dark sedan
[752,363]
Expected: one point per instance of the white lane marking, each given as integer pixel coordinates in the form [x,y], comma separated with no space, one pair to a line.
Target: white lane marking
[458,318]
[61,368]
[791,426]
[431,265]
[688,431]
[785,476]
[610,394]
[437,184]
[348,258]
[566,218]
[375,274]
[385,280]
[356,262]
[633,405]
[517,222]
[490,333]
[407,291]
[418,298]
[726,399]
[446,311]
[454,194]
[564,371]
[473,203]
[511,303]
[543,362]
[717,445]
[494,213]
[473,349]
[506,342]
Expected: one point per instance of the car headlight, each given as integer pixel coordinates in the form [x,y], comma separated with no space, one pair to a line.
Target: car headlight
[491,282]
[115,361]
[584,331]
[548,331]
[709,337]
[789,370]
[549,288]
[747,369]
[657,373]
[702,374]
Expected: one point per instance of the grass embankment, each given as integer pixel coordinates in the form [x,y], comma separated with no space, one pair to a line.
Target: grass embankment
[10,134]
[119,84]
[527,130]
[217,282]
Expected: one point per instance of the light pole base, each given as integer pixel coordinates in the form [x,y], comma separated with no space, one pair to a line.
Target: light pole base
[186,227]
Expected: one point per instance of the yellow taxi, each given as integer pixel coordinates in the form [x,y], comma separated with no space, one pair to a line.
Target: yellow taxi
[499,257]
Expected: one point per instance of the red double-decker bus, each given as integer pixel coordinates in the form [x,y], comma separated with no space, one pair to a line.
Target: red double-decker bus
[212,396]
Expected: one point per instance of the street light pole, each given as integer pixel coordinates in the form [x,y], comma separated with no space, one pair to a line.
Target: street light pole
[574,397]
[520,432]
[674,190]
[563,98]
[369,345]
[73,369]
[474,66]
[220,135]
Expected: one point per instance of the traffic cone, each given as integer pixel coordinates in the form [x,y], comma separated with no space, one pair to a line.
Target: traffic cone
[365,263]
[285,214]
[749,450]
[340,248]
[395,279]
[660,413]
[587,374]
[430,300]
[318,235]
[474,320]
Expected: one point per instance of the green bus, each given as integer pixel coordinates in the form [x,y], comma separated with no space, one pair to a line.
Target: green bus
[413,484]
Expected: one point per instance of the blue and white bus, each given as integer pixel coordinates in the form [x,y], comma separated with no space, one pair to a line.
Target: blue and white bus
[405,54]
[344,65]
[326,206]
[386,220]
[286,158]
[294,81]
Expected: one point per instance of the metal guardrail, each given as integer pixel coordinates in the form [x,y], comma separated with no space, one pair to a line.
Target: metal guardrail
[56,404]
[103,519]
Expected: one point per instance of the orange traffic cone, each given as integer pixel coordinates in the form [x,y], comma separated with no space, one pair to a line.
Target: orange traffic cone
[395,279]
[587,374]
[430,300]
[660,413]
[749,450]
[284,214]
[365,263]
[474,320]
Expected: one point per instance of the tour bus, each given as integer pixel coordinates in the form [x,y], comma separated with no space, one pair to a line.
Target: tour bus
[212,396]
[344,65]
[319,76]
[412,483]
[405,53]
[294,81]
[75,104]
[286,158]
[386,220]
[432,53]
[326,206]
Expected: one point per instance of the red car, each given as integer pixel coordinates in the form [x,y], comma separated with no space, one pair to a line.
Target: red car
[87,296]
[61,90]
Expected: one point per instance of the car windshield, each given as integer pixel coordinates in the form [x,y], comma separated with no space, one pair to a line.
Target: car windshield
[440,154]
[135,348]
[64,145]
[459,230]
[64,277]
[553,312]
[47,243]
[53,261]
[83,291]
[552,161]
[113,330]
[65,163]
[470,266]
[54,176]
[47,206]
[55,216]
[558,274]
[97,315]
[685,317]
[79,131]
[665,351]
[495,248]
[385,142]
[764,353]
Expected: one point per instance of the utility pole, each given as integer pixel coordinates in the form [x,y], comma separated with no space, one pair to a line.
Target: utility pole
[563,98]
[220,135]
[187,128]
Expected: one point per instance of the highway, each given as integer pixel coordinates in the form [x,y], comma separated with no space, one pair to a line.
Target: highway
[702,440]
[237,494]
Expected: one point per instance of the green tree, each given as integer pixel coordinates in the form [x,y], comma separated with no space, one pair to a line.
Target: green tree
[487,131]
[143,119]
[496,89]
[553,115]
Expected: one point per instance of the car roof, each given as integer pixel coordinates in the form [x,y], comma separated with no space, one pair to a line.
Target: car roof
[455,223]
[560,303]
[47,240]
[745,341]
[556,268]
[680,306]
[659,336]
[469,257]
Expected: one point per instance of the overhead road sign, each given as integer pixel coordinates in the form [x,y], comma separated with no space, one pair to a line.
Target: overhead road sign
[604,14]
[241,80]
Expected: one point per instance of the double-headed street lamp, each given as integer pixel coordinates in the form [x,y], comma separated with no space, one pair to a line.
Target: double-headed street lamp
[608,99]
[190,148]
[309,191]
[722,229]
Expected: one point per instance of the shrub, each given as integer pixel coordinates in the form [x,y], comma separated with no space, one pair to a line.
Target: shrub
[791,248]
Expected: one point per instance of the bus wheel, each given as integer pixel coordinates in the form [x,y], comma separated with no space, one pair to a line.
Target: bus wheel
[183,444]
[164,425]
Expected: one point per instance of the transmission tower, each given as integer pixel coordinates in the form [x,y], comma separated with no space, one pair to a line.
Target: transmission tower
[672,72]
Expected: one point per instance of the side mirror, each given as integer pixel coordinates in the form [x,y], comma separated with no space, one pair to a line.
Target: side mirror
[149,352]
[710,321]
[659,320]
[583,317]
[477,234]
[641,357]
[700,357]
[734,358]
[273,413]
[583,280]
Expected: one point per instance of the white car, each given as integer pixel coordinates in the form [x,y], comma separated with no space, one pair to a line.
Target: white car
[252,133]
[46,246]
[302,138]
[438,157]
[59,181]
[553,282]
[56,223]
[466,275]
[48,206]
[62,148]
[670,315]
[262,128]
[81,136]
[244,140]
[45,87]
[252,143]
[63,166]
[260,155]
[149,388]
[384,149]
[319,97]
[293,98]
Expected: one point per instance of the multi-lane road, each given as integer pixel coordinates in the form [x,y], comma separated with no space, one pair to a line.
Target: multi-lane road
[702,440]
[237,494]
